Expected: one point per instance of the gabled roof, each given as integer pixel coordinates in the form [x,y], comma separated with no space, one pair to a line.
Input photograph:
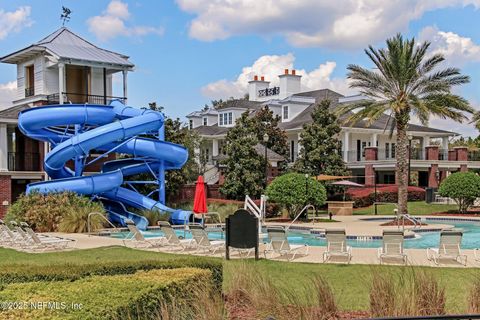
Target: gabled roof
[211,130]
[240,104]
[64,44]
[12,112]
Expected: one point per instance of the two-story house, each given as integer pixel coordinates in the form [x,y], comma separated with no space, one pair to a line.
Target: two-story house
[368,151]
[61,68]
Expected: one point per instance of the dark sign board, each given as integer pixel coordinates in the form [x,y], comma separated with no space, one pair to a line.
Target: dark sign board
[241,232]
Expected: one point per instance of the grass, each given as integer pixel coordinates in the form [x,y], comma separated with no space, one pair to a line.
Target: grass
[350,283]
[414,208]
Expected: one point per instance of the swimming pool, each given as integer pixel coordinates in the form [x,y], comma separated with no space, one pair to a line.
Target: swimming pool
[423,240]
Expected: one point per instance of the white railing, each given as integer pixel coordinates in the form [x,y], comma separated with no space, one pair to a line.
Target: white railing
[258,212]
[89,220]
[308,206]
[403,217]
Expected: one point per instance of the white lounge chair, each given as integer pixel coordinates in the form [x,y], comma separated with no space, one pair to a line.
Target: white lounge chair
[449,248]
[392,246]
[136,237]
[278,243]
[337,245]
[8,237]
[46,242]
[171,237]
[202,242]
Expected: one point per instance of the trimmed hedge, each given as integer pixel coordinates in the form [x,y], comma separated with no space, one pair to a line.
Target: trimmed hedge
[364,197]
[72,272]
[143,295]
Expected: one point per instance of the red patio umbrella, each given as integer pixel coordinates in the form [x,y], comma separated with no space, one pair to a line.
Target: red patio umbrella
[200,200]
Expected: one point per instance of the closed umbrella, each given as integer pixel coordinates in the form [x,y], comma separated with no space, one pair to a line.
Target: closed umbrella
[200,200]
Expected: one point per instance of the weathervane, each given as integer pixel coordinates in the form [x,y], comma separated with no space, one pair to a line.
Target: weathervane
[65,16]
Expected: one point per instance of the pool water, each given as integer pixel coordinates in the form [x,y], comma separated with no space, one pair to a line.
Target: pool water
[470,240]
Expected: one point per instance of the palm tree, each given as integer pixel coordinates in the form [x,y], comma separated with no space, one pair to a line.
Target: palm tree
[405,82]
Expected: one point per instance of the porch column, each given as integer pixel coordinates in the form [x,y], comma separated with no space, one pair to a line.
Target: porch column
[462,155]
[125,74]
[371,154]
[214,147]
[374,140]
[61,82]
[445,143]
[3,147]
[346,145]
[425,142]
[433,176]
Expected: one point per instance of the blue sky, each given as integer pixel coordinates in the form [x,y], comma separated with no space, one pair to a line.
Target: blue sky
[188,52]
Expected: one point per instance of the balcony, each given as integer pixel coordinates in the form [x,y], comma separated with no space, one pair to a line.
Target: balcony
[29,92]
[269,92]
[82,98]
[26,161]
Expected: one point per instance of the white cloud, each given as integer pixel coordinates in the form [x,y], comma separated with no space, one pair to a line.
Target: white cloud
[271,66]
[111,23]
[338,24]
[457,50]
[14,21]
[7,94]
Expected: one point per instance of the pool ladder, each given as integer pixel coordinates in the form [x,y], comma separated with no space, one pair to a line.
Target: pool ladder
[89,220]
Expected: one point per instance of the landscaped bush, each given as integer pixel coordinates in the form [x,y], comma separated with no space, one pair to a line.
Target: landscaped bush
[72,272]
[153,216]
[462,187]
[294,190]
[66,212]
[135,296]
[364,197]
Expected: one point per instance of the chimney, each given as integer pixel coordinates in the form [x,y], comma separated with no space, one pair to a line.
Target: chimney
[256,85]
[290,83]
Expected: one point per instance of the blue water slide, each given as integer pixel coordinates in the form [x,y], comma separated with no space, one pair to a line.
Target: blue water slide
[75,129]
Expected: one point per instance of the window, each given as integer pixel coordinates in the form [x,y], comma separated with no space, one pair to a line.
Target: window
[226,118]
[29,81]
[364,145]
[393,150]
[292,151]
[285,112]
[205,121]
[190,124]
[387,150]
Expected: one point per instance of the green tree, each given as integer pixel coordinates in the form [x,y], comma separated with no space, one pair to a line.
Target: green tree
[265,122]
[321,151]
[244,172]
[463,187]
[405,81]
[294,190]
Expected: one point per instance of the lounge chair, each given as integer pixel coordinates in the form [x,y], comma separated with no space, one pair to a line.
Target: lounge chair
[172,238]
[202,242]
[42,241]
[337,245]
[392,246]
[278,243]
[8,237]
[136,237]
[449,247]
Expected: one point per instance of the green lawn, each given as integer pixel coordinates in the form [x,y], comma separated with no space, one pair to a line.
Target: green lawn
[350,282]
[414,208]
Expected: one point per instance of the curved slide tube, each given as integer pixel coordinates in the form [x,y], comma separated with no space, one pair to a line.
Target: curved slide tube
[75,129]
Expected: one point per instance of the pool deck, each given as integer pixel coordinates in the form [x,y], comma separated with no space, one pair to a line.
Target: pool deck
[354,225]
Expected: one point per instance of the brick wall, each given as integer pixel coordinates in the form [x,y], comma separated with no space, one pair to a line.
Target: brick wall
[5,194]
[187,193]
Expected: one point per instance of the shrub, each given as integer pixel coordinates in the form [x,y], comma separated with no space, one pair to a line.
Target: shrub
[59,272]
[290,190]
[134,296]
[462,187]
[153,216]
[46,212]
[364,197]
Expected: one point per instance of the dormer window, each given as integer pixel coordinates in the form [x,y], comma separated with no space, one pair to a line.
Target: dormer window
[225,119]
[285,113]
[190,124]
[205,121]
